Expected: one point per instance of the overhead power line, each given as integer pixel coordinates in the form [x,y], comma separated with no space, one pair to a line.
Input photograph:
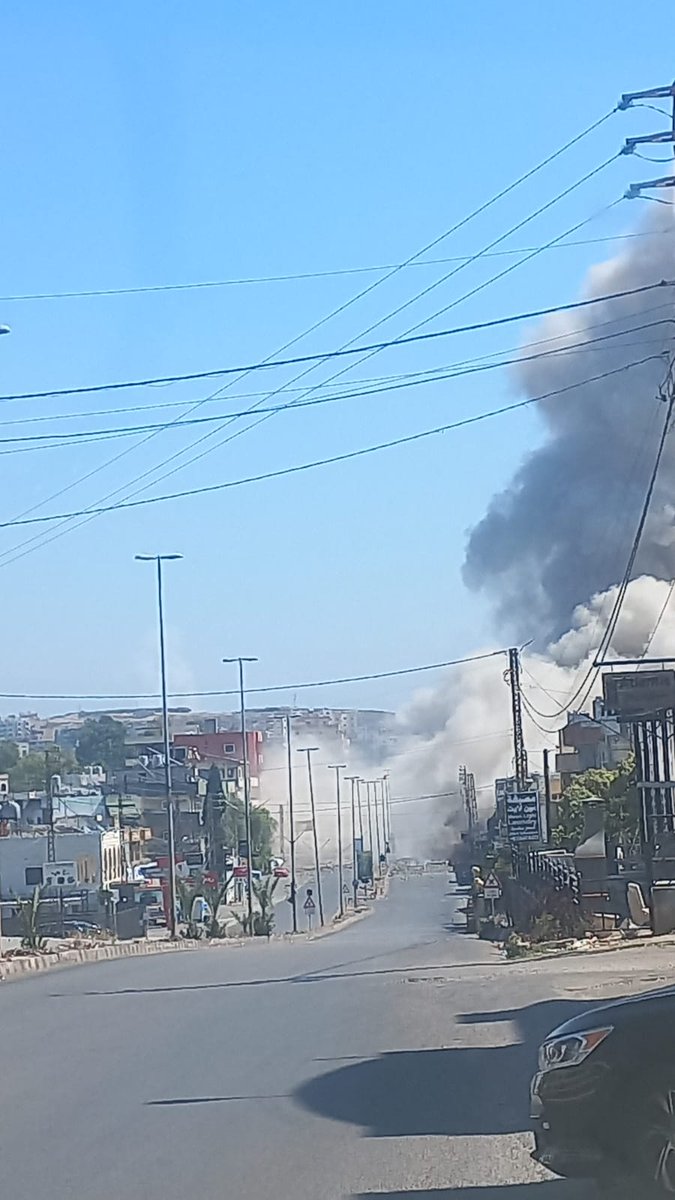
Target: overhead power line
[473,327]
[344,271]
[277,687]
[335,458]
[396,378]
[327,273]
[457,371]
[151,474]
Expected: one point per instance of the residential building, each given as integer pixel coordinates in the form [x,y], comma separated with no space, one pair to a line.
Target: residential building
[224,748]
[84,862]
[591,740]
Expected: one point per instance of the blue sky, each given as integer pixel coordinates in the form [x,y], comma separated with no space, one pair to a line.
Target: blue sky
[165,143]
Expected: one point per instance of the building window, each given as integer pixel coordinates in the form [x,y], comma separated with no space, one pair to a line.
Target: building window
[229,749]
[33,876]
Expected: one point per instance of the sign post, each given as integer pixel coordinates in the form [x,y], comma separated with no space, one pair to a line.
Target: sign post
[492,891]
[310,908]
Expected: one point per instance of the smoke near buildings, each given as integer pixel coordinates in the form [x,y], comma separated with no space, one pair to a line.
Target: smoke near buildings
[552,547]
[565,522]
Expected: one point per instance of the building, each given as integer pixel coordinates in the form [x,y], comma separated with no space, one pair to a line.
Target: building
[591,741]
[84,862]
[224,748]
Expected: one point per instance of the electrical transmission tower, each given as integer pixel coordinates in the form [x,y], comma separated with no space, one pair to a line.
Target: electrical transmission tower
[664,137]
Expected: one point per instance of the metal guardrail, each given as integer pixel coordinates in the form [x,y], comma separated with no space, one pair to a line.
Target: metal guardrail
[555,868]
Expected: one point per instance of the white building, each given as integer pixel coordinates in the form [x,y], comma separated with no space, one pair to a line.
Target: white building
[85,861]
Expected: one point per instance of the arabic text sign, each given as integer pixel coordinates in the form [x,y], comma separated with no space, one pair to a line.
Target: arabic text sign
[522,817]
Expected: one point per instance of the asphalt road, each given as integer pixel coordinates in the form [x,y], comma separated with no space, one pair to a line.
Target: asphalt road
[390,1059]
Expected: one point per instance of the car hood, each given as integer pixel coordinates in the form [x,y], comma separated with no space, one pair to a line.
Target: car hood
[641,1007]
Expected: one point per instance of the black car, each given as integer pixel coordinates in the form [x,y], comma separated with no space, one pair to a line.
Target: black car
[603,1098]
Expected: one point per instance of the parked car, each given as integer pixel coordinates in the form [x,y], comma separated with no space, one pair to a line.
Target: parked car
[70,928]
[603,1098]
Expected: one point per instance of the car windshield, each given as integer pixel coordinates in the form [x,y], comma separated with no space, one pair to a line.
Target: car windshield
[337,726]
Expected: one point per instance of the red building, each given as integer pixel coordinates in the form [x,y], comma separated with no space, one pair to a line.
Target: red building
[224,747]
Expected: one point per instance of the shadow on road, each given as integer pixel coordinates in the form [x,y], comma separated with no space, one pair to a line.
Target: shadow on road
[212,1100]
[556,1189]
[458,1091]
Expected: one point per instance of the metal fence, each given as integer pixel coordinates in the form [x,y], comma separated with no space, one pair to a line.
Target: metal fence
[556,869]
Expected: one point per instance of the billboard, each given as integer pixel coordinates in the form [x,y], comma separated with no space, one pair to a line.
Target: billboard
[522,817]
[638,695]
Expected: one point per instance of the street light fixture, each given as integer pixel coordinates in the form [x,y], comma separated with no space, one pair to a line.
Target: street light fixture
[337,767]
[309,751]
[171,816]
[4,329]
[247,789]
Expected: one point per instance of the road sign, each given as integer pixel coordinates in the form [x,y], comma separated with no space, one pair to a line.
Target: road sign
[345,889]
[309,905]
[492,888]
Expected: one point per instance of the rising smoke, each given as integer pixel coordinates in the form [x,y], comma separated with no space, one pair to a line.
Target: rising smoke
[553,546]
[560,532]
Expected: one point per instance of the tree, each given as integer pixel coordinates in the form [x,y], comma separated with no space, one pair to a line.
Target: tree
[101,742]
[614,785]
[263,827]
[30,922]
[30,772]
[9,755]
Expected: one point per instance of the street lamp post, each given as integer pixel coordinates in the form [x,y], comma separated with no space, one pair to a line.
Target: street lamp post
[247,787]
[353,780]
[378,839]
[291,820]
[386,799]
[309,751]
[370,831]
[171,816]
[337,767]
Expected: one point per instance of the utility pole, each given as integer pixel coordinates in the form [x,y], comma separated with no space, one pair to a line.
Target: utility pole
[353,780]
[337,767]
[170,810]
[247,786]
[309,751]
[291,821]
[519,751]
[49,788]
[664,137]
[547,794]
[359,781]
[467,790]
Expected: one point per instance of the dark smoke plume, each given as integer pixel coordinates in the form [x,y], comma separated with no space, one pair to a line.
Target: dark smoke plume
[561,531]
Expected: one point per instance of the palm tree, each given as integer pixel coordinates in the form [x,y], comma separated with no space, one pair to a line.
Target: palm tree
[263,890]
[30,921]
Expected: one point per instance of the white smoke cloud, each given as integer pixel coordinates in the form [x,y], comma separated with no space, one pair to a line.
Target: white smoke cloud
[466,718]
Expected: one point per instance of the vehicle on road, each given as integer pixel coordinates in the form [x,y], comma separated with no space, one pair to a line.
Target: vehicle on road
[603,1097]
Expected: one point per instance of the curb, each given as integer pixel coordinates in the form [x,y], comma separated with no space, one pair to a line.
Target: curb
[15,968]
[659,943]
[336,925]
